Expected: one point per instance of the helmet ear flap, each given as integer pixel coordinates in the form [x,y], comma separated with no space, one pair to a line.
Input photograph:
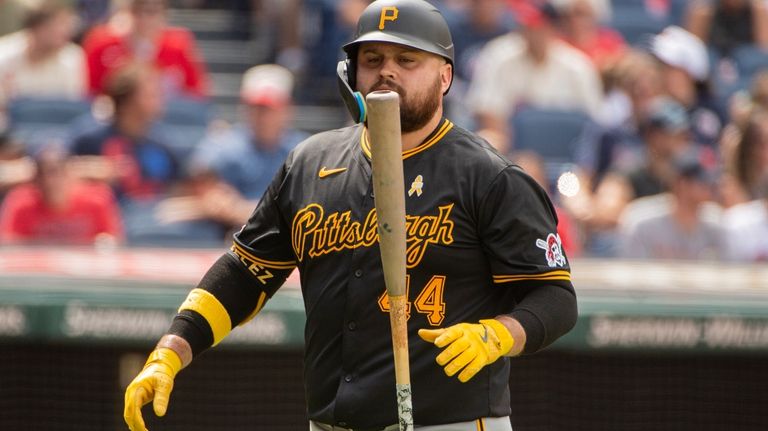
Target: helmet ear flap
[353,100]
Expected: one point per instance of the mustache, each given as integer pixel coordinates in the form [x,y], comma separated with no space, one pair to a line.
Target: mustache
[386,84]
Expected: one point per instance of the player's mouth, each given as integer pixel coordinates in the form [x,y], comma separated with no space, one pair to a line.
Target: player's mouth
[388,85]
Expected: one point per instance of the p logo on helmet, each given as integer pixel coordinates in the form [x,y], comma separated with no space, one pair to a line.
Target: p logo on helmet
[388,13]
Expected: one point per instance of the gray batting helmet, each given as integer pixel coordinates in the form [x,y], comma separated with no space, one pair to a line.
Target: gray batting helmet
[414,23]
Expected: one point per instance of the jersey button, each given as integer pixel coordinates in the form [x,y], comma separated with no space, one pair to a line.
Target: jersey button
[358,273]
[352,326]
[348,378]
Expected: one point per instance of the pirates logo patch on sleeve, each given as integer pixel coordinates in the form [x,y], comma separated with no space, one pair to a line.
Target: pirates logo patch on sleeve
[553,250]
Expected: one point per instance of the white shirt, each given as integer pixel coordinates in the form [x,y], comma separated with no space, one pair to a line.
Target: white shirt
[746,228]
[505,77]
[61,75]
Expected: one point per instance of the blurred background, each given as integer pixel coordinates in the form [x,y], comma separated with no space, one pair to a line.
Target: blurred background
[137,135]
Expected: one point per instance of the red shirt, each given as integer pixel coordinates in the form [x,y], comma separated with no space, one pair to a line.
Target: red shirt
[176,57]
[604,49]
[92,209]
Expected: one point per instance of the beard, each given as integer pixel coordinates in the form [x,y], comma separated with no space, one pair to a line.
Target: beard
[415,112]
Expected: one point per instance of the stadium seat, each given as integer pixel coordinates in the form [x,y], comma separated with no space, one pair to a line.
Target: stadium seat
[184,124]
[635,22]
[35,122]
[552,134]
[750,59]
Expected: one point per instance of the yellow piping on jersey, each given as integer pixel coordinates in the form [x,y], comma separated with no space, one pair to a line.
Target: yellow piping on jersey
[273,264]
[442,130]
[552,275]
[204,303]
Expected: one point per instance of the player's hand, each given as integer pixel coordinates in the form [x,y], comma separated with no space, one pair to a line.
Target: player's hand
[470,346]
[154,383]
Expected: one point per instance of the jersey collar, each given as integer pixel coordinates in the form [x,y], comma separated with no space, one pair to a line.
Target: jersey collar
[431,140]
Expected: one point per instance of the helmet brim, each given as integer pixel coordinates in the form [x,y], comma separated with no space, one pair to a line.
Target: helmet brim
[397,38]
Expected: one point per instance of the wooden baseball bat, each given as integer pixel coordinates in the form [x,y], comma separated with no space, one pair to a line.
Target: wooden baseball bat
[389,199]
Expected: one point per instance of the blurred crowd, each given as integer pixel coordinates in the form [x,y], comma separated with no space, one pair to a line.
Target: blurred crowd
[646,120]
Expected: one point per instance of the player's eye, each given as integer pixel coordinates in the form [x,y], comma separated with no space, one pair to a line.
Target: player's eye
[372,60]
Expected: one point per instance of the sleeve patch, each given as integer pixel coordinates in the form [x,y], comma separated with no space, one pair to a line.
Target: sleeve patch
[553,250]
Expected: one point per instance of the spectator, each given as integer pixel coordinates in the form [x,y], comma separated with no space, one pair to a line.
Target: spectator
[580,26]
[666,134]
[747,223]
[742,105]
[616,144]
[535,69]
[143,35]
[126,152]
[473,27]
[57,208]
[727,24]
[679,228]
[12,15]
[231,169]
[41,60]
[686,78]
[336,21]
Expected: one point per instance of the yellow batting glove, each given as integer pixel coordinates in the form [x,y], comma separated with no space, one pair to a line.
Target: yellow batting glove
[471,346]
[154,383]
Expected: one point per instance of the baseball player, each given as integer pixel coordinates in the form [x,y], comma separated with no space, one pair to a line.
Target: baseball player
[486,274]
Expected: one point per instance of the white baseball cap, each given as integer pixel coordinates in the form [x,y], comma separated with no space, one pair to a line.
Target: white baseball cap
[680,48]
[267,85]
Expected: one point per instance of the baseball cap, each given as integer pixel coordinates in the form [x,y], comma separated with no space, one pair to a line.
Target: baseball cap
[678,47]
[267,85]
[668,115]
[694,164]
[535,15]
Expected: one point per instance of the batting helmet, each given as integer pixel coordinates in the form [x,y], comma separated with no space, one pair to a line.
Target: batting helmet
[413,23]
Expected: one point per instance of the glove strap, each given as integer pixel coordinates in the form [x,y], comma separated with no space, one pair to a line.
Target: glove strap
[501,336]
[165,356]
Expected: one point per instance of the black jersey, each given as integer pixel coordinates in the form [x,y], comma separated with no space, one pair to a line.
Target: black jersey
[481,234]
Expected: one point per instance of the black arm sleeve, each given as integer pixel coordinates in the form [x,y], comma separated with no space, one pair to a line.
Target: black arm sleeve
[545,312]
[231,283]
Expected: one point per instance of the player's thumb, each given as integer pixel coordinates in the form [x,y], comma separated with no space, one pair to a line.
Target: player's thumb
[430,335]
[162,394]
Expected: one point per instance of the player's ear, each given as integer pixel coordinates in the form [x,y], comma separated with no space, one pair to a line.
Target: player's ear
[446,76]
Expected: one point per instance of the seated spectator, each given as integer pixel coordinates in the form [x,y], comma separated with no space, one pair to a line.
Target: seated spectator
[57,208]
[680,228]
[580,26]
[747,223]
[143,35]
[534,68]
[616,144]
[742,105]
[125,152]
[473,27]
[232,168]
[727,24]
[336,22]
[686,78]
[665,134]
[41,60]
